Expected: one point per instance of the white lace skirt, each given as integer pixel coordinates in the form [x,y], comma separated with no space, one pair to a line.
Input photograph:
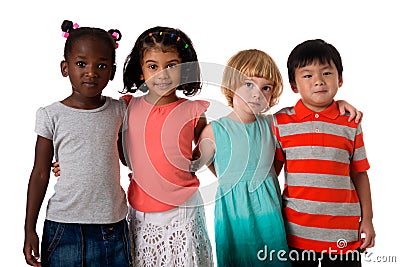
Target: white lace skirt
[176,237]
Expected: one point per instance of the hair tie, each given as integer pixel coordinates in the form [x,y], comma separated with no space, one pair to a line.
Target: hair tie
[116,34]
[66,27]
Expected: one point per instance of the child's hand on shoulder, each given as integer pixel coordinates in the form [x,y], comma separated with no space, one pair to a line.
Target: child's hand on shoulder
[354,113]
[194,165]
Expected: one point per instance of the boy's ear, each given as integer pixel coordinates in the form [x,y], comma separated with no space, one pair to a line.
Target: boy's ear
[64,68]
[340,81]
[294,87]
[114,69]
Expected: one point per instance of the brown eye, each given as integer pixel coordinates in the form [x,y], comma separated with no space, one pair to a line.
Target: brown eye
[80,64]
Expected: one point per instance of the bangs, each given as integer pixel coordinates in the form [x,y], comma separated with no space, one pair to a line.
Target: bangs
[314,57]
[253,63]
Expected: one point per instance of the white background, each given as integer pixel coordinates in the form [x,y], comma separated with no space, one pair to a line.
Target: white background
[364,32]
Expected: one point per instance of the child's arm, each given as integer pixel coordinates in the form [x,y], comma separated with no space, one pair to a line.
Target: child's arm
[37,187]
[205,150]
[362,186]
[201,123]
[127,99]
[354,113]
[121,150]
[278,165]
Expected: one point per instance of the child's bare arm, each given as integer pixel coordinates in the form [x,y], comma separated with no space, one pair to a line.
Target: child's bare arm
[278,165]
[362,186]
[121,150]
[37,188]
[205,150]
[201,123]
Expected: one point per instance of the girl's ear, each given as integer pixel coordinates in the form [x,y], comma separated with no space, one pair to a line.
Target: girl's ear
[114,69]
[64,68]
[294,87]
[340,81]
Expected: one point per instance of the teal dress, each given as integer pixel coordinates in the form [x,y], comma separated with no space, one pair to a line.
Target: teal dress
[249,229]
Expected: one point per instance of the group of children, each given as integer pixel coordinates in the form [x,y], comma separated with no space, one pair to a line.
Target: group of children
[164,139]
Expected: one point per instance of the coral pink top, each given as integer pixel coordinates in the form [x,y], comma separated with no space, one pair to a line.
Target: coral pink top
[159,145]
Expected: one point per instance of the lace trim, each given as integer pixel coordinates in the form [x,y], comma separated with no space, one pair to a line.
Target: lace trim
[177,244]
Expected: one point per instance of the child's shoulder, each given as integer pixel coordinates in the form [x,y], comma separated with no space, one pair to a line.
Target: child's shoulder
[343,119]
[49,107]
[196,102]
[196,106]
[126,98]
[285,110]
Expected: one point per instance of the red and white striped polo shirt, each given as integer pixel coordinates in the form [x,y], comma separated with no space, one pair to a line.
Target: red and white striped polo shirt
[320,204]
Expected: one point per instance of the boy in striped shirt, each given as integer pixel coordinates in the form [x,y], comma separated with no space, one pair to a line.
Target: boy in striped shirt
[326,199]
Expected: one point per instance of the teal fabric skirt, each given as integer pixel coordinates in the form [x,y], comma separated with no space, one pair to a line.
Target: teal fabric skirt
[249,229]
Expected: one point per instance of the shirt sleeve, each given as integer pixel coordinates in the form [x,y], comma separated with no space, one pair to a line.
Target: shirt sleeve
[43,126]
[359,161]
[199,107]
[279,155]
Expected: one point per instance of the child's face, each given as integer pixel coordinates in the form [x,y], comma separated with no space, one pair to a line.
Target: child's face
[161,72]
[89,66]
[253,96]
[317,84]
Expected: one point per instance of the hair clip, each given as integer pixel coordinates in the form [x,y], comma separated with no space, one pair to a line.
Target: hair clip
[76,26]
[186,46]
[150,34]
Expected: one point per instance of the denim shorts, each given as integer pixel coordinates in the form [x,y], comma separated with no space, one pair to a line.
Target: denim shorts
[81,245]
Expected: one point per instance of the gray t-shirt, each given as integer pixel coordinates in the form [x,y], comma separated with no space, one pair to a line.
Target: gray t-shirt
[85,144]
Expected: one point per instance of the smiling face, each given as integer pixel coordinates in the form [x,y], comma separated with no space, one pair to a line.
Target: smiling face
[89,66]
[162,74]
[252,97]
[317,84]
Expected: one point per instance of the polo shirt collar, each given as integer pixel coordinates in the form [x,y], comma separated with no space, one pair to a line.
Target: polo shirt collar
[331,112]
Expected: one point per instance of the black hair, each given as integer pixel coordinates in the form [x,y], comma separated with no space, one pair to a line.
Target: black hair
[110,38]
[164,38]
[310,51]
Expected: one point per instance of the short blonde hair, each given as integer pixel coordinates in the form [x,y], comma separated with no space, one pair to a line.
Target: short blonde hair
[251,63]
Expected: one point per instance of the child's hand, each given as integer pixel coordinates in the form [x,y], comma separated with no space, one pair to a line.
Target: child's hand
[367,234]
[56,169]
[195,165]
[31,249]
[354,113]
